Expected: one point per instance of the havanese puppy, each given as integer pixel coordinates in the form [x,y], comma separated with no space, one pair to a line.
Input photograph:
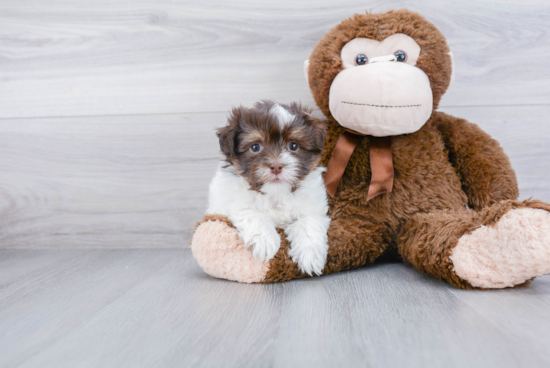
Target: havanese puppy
[271,178]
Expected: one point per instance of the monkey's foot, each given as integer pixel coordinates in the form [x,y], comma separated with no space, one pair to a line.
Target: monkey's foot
[509,252]
[221,253]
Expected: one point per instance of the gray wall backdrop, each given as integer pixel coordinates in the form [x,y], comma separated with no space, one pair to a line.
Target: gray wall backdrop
[108,108]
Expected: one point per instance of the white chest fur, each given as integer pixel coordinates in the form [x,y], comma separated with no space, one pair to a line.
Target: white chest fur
[230,196]
[279,204]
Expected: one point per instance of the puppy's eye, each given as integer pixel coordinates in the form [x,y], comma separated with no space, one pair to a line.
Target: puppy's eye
[400,56]
[293,146]
[255,148]
[361,59]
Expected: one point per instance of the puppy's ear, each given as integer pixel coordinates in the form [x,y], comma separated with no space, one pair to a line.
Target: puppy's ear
[319,132]
[318,126]
[228,134]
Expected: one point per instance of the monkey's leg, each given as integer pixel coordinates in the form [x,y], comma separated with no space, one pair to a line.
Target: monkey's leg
[352,243]
[503,245]
[220,253]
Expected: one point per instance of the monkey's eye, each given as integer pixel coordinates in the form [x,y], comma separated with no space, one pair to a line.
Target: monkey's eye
[400,56]
[361,59]
[293,146]
[255,148]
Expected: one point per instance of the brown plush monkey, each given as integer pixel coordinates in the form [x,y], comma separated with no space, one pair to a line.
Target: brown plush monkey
[407,181]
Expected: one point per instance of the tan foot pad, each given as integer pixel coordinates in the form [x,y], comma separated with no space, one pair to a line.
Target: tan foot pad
[221,253]
[508,253]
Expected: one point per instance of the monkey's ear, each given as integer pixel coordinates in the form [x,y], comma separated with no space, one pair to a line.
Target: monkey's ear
[452,68]
[306,69]
[228,134]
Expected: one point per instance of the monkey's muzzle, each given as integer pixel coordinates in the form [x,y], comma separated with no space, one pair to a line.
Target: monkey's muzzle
[381,99]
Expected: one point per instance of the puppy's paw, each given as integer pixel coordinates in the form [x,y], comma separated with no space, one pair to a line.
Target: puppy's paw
[311,259]
[309,243]
[264,244]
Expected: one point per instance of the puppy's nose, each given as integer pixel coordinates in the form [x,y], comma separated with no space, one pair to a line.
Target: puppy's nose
[276,168]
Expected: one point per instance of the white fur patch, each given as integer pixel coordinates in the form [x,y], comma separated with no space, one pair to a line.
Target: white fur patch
[302,213]
[282,115]
[514,250]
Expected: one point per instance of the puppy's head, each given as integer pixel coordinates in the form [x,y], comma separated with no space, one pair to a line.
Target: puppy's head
[272,143]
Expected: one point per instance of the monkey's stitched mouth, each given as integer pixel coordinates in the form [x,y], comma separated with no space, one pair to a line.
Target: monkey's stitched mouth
[371,105]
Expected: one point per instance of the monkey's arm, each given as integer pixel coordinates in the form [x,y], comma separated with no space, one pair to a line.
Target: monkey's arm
[485,170]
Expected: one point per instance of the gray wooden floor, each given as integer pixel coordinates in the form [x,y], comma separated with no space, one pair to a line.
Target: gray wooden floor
[156,308]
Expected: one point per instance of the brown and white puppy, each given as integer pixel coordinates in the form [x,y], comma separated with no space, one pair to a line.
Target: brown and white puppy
[271,178]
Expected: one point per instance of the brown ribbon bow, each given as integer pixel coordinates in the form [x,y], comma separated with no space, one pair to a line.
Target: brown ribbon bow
[381,163]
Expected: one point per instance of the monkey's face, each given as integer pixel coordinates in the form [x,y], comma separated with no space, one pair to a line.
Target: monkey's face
[381,74]
[381,92]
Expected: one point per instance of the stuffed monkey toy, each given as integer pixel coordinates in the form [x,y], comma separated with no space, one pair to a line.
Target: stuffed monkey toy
[404,179]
